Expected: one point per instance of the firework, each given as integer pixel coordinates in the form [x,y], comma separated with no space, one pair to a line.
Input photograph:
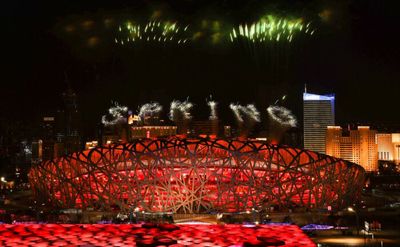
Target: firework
[116,115]
[248,112]
[213,109]
[149,111]
[236,111]
[178,109]
[280,99]
[271,29]
[153,31]
[282,115]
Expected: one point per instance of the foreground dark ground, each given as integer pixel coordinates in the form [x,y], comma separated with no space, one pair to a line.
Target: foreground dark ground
[19,207]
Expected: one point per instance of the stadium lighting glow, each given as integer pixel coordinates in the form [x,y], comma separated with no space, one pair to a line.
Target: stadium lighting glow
[196,175]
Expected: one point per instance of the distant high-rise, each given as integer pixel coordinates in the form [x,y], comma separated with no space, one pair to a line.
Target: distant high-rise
[68,124]
[70,112]
[319,112]
[48,137]
[43,147]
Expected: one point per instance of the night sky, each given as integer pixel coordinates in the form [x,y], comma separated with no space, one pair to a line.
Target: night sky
[354,54]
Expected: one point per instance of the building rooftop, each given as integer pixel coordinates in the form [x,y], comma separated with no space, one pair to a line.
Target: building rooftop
[310,96]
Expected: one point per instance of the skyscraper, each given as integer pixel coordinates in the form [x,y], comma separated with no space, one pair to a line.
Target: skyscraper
[48,137]
[68,125]
[319,112]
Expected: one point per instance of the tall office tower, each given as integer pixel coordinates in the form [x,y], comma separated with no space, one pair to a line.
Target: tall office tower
[358,146]
[71,116]
[319,112]
[48,137]
[68,124]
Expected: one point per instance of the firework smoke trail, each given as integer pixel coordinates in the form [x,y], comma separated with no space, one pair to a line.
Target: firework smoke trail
[117,114]
[280,99]
[246,116]
[178,109]
[250,112]
[149,110]
[213,108]
[282,115]
[236,110]
[269,41]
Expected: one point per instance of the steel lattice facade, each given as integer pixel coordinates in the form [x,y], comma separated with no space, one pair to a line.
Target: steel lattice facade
[197,175]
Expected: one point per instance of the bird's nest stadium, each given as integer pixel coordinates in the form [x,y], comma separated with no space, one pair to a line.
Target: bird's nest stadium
[196,176]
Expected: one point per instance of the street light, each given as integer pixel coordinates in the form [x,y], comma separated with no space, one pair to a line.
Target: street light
[350,209]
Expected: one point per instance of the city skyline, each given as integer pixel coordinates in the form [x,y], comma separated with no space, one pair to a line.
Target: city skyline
[159,122]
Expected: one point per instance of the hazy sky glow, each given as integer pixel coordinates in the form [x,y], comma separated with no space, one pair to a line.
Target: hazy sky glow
[352,53]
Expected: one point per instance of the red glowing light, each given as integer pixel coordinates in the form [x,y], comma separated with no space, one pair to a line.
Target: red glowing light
[197,175]
[136,235]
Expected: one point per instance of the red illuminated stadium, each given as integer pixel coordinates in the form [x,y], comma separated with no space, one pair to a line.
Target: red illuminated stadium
[196,176]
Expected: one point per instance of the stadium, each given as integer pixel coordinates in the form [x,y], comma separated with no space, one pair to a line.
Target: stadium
[184,175]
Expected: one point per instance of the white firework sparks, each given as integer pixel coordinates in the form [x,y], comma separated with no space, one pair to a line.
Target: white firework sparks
[249,112]
[252,112]
[117,114]
[213,109]
[236,111]
[178,107]
[282,115]
[149,110]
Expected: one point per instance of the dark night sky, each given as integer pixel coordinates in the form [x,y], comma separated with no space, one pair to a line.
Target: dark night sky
[354,54]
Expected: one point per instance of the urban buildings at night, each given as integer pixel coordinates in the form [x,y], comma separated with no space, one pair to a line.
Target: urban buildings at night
[355,145]
[388,146]
[187,123]
[206,127]
[362,145]
[138,132]
[59,134]
[319,112]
